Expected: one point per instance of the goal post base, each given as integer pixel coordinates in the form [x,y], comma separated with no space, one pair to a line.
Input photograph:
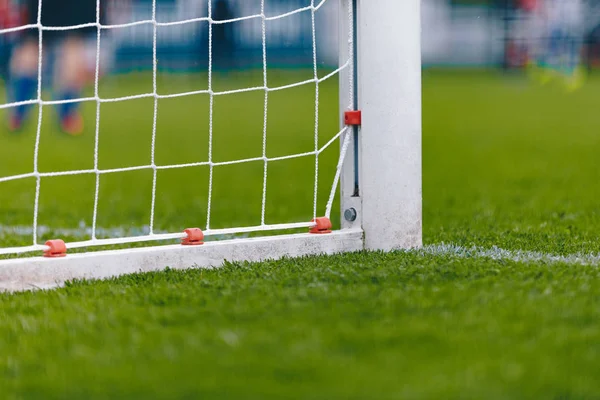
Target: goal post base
[46,273]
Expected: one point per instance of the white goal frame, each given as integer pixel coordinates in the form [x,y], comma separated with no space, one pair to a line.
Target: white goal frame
[380,183]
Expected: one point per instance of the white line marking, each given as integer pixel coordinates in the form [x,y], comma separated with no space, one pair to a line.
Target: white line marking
[81,232]
[85,232]
[496,253]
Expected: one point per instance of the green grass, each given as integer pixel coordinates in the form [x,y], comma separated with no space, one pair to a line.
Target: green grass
[506,163]
[510,164]
[349,327]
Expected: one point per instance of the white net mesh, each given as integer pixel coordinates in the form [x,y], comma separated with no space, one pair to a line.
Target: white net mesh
[100,236]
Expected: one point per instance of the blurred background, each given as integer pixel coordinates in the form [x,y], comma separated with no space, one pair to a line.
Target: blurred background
[483,33]
[495,33]
[184,47]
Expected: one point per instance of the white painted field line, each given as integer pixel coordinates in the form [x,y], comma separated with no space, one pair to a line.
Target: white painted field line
[496,253]
[82,232]
[85,232]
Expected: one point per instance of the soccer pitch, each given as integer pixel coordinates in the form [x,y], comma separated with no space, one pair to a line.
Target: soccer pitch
[502,303]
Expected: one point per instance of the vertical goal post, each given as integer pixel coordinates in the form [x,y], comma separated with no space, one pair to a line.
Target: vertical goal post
[378,176]
[381,187]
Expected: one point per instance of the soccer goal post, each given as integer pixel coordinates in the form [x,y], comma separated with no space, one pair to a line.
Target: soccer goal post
[377,178]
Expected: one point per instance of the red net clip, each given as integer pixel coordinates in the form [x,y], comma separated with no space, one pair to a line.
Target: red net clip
[57,248]
[323,225]
[353,118]
[194,237]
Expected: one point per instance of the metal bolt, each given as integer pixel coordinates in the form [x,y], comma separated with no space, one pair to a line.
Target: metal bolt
[350,215]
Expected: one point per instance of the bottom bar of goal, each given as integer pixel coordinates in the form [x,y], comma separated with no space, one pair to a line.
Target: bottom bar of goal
[45,273]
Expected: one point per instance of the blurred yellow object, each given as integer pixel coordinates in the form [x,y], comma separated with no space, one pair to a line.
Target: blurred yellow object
[540,74]
[576,80]
[543,75]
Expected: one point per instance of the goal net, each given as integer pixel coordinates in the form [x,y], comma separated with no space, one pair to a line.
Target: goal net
[194,121]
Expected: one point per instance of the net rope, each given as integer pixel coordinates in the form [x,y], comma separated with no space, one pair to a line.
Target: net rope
[343,135]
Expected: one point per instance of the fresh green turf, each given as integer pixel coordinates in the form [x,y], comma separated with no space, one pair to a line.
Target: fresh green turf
[511,164]
[348,327]
[506,163]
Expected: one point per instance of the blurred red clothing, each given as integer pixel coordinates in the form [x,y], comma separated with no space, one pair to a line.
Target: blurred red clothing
[11,15]
[529,5]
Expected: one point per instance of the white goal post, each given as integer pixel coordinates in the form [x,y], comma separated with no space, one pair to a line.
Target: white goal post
[378,176]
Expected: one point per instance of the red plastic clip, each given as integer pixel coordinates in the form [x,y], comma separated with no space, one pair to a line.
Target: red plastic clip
[57,248]
[323,225]
[194,237]
[353,117]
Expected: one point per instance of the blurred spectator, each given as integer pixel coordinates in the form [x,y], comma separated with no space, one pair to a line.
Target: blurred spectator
[556,40]
[70,67]
[11,16]
[592,41]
